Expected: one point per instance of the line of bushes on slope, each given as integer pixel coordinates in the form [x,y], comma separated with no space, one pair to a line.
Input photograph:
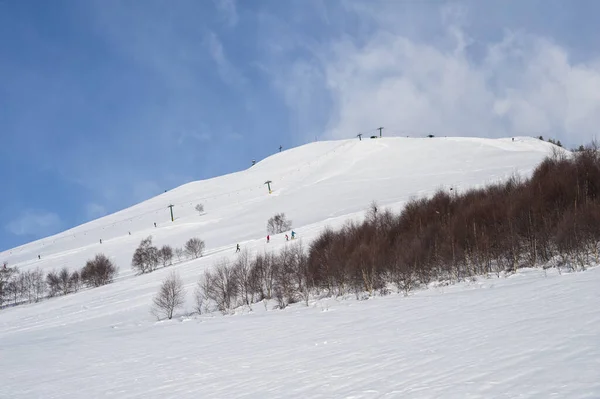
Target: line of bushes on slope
[148,257]
[551,219]
[18,287]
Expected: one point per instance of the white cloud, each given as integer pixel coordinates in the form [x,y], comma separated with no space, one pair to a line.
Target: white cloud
[34,223]
[94,210]
[521,84]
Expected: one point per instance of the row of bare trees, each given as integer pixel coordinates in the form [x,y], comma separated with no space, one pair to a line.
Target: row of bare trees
[551,219]
[18,287]
[148,257]
[247,280]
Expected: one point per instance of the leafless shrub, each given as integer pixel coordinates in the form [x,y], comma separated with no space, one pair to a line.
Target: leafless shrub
[6,275]
[165,255]
[278,224]
[199,298]
[53,282]
[221,287]
[179,253]
[75,281]
[146,257]
[170,297]
[243,278]
[33,285]
[194,247]
[283,290]
[199,208]
[262,275]
[301,276]
[64,278]
[98,271]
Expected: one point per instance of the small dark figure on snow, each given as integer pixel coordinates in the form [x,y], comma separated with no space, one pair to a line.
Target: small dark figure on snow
[130,233]
[293,235]
[154,224]
[101,241]
[268,238]
[238,248]
[287,238]
[39,257]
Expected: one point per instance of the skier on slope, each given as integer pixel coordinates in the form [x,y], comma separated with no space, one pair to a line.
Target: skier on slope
[237,248]
[293,234]
[268,238]
[287,238]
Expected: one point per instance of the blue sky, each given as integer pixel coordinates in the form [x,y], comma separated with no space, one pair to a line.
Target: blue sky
[105,103]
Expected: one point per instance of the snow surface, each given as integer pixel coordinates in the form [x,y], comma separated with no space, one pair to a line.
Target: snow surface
[529,335]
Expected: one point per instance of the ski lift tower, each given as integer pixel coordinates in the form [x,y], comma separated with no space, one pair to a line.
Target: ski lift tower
[171,207]
[268,183]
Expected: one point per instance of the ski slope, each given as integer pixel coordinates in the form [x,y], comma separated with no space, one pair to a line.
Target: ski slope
[312,184]
[530,335]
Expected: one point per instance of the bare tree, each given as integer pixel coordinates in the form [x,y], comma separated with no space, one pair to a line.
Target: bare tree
[6,274]
[98,271]
[262,275]
[278,224]
[15,288]
[199,298]
[194,247]
[63,281]
[170,297]
[302,279]
[145,258]
[179,253]
[243,278]
[165,255]
[199,208]
[53,282]
[75,281]
[26,282]
[221,286]
[202,293]
[37,285]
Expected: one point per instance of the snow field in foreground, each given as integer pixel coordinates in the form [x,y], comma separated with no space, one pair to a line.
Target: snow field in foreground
[523,336]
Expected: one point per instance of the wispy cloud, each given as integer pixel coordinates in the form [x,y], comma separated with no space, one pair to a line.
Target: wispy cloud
[35,223]
[228,11]
[227,71]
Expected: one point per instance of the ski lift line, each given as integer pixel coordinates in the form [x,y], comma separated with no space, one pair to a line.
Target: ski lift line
[155,211]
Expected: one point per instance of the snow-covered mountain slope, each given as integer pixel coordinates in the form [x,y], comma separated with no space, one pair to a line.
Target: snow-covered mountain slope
[527,336]
[311,184]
